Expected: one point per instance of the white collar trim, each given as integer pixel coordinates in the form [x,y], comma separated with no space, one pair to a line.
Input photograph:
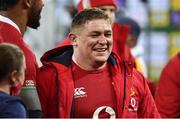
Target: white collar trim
[9,21]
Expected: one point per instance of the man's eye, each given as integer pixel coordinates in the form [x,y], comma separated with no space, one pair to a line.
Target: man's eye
[108,35]
[94,35]
[103,10]
[112,10]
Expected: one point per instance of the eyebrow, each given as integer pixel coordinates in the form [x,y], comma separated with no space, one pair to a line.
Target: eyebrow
[101,32]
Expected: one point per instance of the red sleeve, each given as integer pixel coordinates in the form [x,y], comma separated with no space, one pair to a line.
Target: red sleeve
[147,107]
[46,84]
[152,86]
[167,96]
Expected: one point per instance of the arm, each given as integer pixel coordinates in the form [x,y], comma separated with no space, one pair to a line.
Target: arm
[29,94]
[32,101]
[46,86]
[167,96]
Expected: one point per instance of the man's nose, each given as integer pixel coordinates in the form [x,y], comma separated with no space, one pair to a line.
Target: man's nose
[102,40]
[108,13]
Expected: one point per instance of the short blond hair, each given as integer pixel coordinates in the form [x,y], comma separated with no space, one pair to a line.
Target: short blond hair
[87,15]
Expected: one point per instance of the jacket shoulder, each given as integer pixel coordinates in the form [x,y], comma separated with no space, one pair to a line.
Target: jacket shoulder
[12,106]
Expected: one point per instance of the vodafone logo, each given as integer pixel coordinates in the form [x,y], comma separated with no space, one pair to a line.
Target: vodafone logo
[108,109]
[79,92]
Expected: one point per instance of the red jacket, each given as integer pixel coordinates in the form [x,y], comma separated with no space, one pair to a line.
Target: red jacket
[120,35]
[10,34]
[56,87]
[167,96]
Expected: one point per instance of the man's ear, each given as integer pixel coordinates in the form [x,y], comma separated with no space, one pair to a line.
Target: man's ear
[73,38]
[28,3]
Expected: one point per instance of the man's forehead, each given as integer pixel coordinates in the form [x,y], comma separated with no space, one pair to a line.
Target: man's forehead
[94,25]
[98,26]
[107,7]
[100,31]
[99,22]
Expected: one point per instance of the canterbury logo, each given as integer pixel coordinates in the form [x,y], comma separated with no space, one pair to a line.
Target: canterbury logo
[79,92]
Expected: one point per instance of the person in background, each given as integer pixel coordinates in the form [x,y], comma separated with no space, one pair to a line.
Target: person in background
[167,96]
[12,69]
[15,17]
[131,43]
[48,30]
[87,80]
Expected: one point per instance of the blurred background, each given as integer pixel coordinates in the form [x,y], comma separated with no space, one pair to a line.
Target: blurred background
[159,21]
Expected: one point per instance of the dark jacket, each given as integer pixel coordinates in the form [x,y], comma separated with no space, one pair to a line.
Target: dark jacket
[11,106]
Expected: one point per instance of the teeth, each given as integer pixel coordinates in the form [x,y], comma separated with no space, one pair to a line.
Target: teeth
[100,49]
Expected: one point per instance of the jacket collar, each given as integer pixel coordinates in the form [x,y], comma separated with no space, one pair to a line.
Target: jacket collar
[64,56]
[10,22]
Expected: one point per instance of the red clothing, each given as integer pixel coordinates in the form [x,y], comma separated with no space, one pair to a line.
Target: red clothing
[55,84]
[128,56]
[10,34]
[120,34]
[167,96]
[152,86]
[93,91]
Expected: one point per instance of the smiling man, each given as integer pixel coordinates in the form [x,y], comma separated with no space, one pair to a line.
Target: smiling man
[92,43]
[85,79]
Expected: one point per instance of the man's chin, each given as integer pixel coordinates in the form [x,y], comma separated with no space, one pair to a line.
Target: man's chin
[101,60]
[34,27]
[101,57]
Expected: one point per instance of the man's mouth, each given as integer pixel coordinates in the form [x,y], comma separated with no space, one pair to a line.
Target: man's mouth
[100,49]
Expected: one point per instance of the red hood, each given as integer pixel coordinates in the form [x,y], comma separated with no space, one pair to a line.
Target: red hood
[59,49]
[120,35]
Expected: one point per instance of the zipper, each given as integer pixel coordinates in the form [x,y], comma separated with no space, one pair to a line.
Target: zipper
[124,96]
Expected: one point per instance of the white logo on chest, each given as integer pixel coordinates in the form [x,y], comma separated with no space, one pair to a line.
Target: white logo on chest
[108,109]
[79,92]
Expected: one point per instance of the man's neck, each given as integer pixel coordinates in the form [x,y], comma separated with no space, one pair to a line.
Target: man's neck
[89,67]
[9,21]
[5,89]
[14,20]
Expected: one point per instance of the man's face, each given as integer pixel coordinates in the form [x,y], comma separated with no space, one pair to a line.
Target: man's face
[131,41]
[35,14]
[110,11]
[94,42]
